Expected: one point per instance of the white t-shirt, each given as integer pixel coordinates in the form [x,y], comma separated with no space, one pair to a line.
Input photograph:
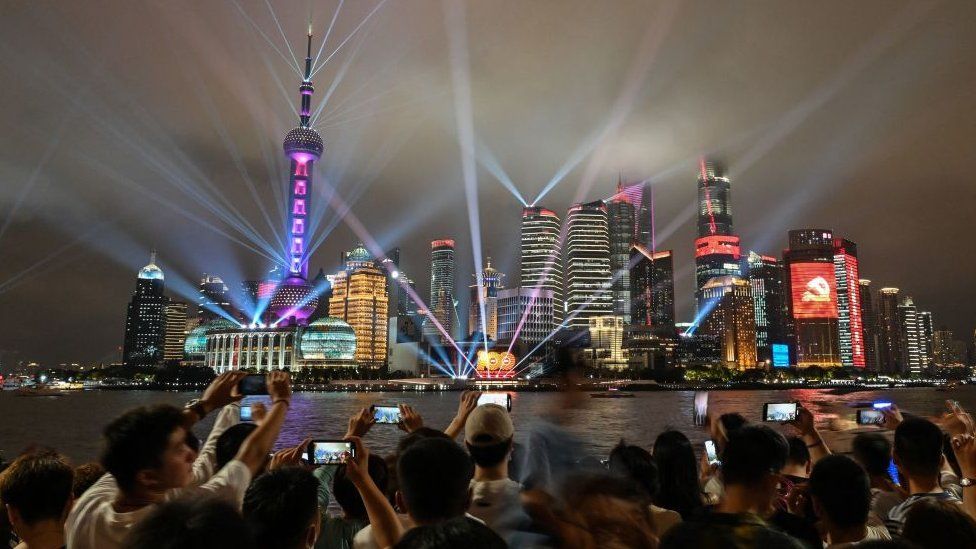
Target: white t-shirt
[94,524]
[491,498]
[364,538]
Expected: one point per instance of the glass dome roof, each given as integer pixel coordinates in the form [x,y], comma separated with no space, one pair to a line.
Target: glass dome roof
[328,339]
[196,341]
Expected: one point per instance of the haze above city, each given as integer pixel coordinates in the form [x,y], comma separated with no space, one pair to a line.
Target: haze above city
[132,126]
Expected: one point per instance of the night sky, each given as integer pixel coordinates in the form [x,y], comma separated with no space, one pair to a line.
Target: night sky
[131,125]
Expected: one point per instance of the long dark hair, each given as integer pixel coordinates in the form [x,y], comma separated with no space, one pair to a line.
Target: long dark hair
[678,474]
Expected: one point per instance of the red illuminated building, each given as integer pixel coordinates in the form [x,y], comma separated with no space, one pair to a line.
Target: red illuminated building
[813,295]
[850,324]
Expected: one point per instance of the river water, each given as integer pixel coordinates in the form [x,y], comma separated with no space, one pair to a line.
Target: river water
[72,424]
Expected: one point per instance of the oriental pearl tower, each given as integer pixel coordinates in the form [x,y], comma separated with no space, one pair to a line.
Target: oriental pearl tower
[293,300]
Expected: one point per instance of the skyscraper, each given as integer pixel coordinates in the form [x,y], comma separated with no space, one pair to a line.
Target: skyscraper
[717,248]
[850,323]
[588,291]
[541,263]
[766,276]
[652,289]
[926,335]
[732,319]
[485,295]
[525,320]
[889,332]
[813,296]
[145,320]
[911,348]
[650,337]
[175,331]
[213,296]
[441,290]
[621,211]
[869,318]
[943,347]
[606,342]
[294,300]
[359,297]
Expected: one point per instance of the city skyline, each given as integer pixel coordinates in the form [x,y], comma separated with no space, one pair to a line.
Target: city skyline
[832,193]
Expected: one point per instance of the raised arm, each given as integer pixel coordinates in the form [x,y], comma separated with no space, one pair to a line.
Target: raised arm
[387,529]
[221,392]
[811,436]
[254,451]
[469,401]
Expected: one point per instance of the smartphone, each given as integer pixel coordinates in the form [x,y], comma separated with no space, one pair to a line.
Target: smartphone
[779,411]
[253,384]
[386,414]
[246,412]
[330,452]
[710,453]
[880,405]
[502,399]
[870,417]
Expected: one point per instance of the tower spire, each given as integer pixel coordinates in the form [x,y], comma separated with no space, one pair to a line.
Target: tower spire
[152,256]
[306,87]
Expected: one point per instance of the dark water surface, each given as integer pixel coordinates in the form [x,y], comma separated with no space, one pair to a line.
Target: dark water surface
[72,424]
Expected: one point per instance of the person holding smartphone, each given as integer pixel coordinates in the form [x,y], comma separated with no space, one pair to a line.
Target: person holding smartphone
[148,462]
[488,436]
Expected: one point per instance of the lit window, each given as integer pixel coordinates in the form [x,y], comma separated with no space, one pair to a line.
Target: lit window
[299,208]
[298,226]
[296,246]
[300,188]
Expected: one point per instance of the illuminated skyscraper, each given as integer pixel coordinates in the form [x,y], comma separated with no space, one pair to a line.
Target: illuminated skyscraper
[521,327]
[926,334]
[213,296]
[850,322]
[889,332]
[621,209]
[541,264]
[717,248]
[487,294]
[175,332]
[732,319]
[911,348]
[294,299]
[813,296]
[869,318]
[588,291]
[359,298]
[652,289]
[766,276]
[606,342]
[441,290]
[145,321]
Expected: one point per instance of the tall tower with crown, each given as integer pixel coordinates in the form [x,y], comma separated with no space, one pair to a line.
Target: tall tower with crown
[294,300]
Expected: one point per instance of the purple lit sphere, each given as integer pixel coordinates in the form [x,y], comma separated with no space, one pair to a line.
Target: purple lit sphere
[303,144]
[293,298]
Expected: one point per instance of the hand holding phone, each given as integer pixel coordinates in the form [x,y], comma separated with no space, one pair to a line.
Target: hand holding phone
[501,399]
[253,384]
[388,415]
[330,452]
[779,412]
[870,417]
[246,412]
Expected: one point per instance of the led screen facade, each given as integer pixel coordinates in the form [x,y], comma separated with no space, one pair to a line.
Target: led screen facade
[814,290]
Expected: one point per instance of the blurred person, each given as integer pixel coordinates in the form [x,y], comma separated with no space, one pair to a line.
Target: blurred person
[873,452]
[918,456]
[85,476]
[841,495]
[637,465]
[282,509]
[449,534]
[595,511]
[149,462]
[489,435]
[191,523]
[36,494]
[435,475]
[751,462]
[933,524]
[679,490]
